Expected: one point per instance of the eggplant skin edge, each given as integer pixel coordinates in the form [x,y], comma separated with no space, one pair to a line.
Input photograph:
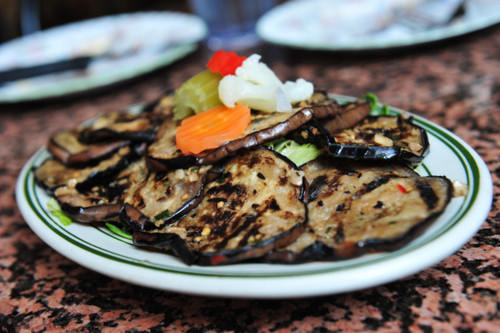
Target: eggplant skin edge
[99,214]
[89,157]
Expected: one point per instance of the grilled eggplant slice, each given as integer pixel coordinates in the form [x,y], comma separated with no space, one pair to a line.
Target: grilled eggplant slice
[136,127]
[163,155]
[100,203]
[66,148]
[119,126]
[374,138]
[348,116]
[53,174]
[357,208]
[157,199]
[254,206]
[334,116]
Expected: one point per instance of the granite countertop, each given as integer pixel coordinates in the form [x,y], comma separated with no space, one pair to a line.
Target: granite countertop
[454,84]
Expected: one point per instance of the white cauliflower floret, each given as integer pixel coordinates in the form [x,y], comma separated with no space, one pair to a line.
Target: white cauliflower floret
[254,71]
[256,85]
[232,89]
[299,90]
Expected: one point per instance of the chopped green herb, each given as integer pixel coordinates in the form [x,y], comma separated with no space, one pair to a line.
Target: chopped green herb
[376,108]
[396,136]
[372,99]
[255,242]
[118,231]
[56,211]
[163,215]
[384,111]
[328,230]
[167,182]
[392,222]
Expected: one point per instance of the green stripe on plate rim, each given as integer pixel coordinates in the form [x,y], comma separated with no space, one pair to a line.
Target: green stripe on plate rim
[472,174]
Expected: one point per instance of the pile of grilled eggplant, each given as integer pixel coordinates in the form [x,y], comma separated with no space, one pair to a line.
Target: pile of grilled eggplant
[244,202]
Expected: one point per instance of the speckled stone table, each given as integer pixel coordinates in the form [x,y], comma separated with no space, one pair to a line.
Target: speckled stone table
[455,84]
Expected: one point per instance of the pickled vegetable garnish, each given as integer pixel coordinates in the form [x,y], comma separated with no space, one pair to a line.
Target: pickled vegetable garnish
[212,128]
[224,62]
[256,85]
[197,94]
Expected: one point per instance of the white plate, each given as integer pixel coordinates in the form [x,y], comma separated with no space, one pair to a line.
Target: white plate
[133,44]
[343,25]
[100,250]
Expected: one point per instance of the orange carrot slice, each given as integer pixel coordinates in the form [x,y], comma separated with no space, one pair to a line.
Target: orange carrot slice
[212,128]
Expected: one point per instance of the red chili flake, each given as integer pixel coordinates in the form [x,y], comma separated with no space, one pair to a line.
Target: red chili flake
[401,189]
[216,259]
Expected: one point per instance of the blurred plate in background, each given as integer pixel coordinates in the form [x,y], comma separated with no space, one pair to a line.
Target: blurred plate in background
[121,46]
[343,25]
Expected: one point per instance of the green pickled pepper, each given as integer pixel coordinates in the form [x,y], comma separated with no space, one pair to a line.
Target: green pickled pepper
[199,93]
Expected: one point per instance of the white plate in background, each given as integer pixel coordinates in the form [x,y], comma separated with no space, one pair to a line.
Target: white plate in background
[344,25]
[128,45]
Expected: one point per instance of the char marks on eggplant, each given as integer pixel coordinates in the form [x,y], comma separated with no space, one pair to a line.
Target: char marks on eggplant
[255,205]
[155,199]
[357,207]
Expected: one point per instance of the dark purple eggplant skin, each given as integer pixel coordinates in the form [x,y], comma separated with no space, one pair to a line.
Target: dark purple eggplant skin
[347,116]
[98,213]
[179,161]
[177,245]
[106,134]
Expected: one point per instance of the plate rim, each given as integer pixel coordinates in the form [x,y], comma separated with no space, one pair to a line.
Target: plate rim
[228,285]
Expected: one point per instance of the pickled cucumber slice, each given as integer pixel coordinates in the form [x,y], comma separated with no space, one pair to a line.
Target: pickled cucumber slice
[197,94]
